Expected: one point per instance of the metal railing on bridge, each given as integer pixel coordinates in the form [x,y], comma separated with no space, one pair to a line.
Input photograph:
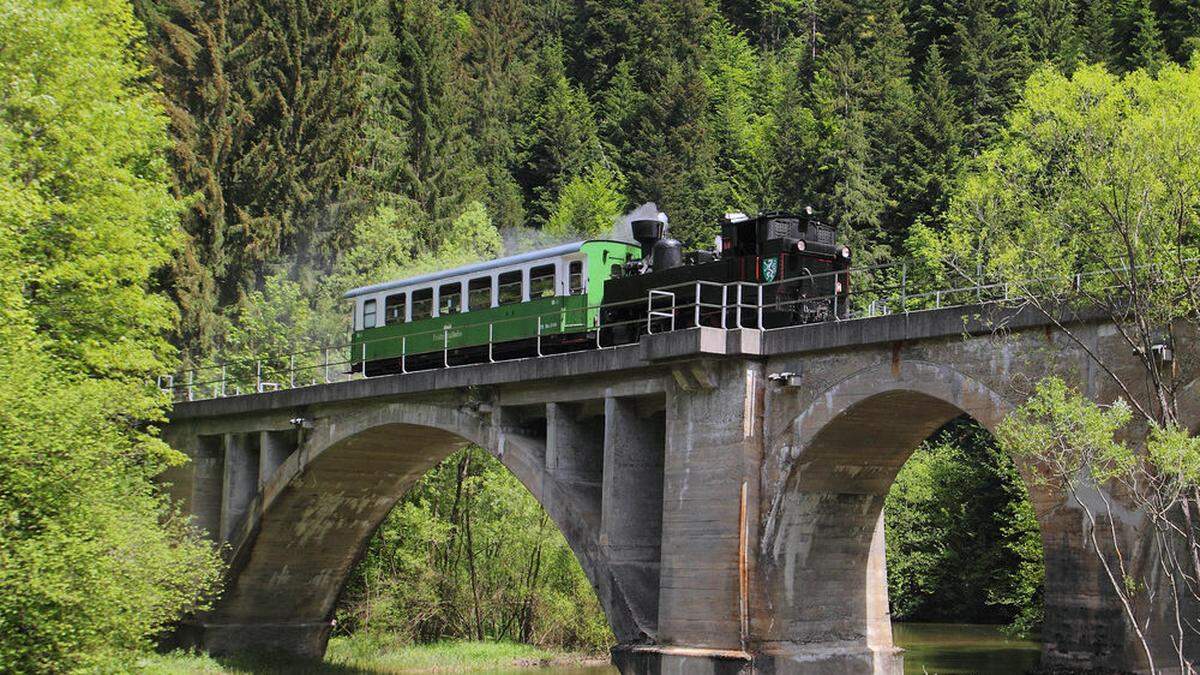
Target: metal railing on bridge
[875,290]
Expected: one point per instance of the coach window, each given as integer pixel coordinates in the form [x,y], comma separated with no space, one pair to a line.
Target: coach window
[479,294]
[575,277]
[422,304]
[450,299]
[369,313]
[541,282]
[510,287]
[393,309]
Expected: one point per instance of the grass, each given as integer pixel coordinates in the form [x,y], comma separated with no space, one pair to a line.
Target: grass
[366,654]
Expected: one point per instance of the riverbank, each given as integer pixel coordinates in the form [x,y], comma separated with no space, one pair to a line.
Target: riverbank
[365,654]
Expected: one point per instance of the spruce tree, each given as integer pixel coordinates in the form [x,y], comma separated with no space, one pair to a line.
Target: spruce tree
[618,110]
[930,23]
[498,61]
[1050,32]
[1180,24]
[1098,33]
[862,95]
[851,192]
[1140,43]
[302,69]
[673,152]
[562,140]
[730,69]
[675,155]
[992,64]
[608,34]
[437,165]
[189,44]
[892,105]
[938,141]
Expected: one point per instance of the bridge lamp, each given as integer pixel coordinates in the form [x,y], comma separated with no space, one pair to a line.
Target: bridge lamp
[786,379]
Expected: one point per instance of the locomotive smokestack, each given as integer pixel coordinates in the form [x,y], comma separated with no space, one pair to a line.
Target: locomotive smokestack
[647,232]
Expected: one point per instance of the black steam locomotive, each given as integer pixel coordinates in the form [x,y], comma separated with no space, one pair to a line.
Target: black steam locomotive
[790,267]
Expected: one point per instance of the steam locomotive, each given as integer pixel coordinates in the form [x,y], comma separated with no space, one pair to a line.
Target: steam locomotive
[772,270]
[787,264]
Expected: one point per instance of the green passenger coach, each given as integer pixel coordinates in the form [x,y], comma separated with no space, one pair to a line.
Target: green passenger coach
[544,300]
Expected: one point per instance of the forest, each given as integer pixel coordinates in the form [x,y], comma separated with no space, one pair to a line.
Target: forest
[186,182]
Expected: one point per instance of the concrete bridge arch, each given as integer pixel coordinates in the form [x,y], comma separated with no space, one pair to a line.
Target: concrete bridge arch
[822,545]
[299,534]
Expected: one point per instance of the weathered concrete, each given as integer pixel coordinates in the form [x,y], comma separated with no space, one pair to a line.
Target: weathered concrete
[729,518]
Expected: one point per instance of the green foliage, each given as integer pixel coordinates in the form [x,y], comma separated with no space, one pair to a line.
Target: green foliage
[962,536]
[588,206]
[423,48]
[1073,435]
[562,141]
[469,553]
[1058,422]
[94,559]
[266,113]
[1089,169]
[86,199]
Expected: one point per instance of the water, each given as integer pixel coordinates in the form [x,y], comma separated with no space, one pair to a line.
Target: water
[946,648]
[934,648]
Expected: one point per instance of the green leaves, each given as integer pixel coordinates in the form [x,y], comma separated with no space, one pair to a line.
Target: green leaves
[94,559]
[422,573]
[1096,175]
[1067,433]
[85,184]
[588,206]
[962,537]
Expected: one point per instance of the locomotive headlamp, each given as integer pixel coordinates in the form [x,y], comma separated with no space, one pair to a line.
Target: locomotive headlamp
[800,245]
[845,252]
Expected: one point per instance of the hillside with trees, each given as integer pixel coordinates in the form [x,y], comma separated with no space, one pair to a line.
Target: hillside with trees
[183,182]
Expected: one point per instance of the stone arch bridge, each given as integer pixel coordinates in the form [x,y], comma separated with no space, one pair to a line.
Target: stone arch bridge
[722,490]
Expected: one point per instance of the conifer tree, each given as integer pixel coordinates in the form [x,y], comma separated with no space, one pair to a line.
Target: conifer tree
[675,155]
[437,168]
[796,145]
[672,151]
[498,62]
[562,140]
[618,109]
[992,66]
[1050,32]
[1098,34]
[608,34]
[1140,43]
[862,95]
[1180,24]
[729,70]
[851,192]
[302,78]
[938,141]
[189,46]
[930,23]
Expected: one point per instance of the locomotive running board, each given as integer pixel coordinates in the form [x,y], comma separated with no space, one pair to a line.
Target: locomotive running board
[692,342]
